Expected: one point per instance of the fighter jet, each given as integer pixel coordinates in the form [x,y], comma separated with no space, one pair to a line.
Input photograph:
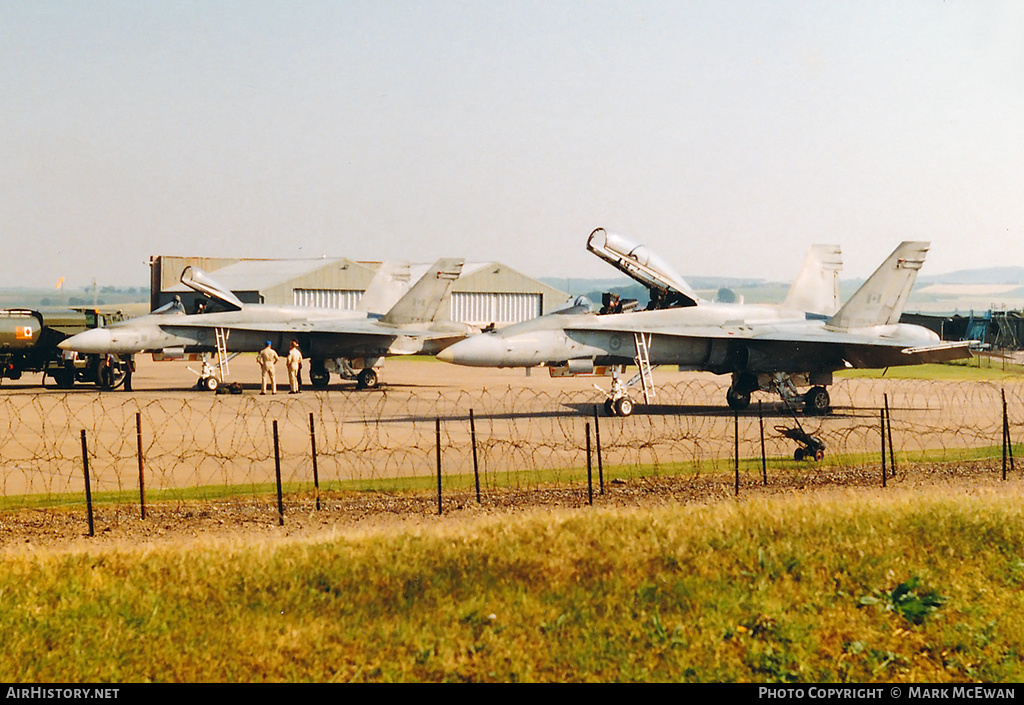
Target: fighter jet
[351,343]
[763,347]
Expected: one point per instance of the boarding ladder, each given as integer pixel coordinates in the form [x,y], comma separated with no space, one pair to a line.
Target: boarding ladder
[221,335]
[643,363]
[212,376]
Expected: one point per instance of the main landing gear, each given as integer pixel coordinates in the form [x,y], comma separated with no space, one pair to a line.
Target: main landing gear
[367,378]
[816,400]
[320,375]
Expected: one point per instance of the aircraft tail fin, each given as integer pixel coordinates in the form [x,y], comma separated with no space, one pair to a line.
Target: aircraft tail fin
[816,287]
[388,285]
[422,303]
[880,300]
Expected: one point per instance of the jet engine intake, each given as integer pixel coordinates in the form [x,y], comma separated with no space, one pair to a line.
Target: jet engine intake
[727,356]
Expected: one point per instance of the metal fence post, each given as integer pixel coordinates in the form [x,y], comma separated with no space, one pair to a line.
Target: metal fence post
[881,419]
[476,467]
[312,447]
[764,460]
[142,479]
[888,432]
[736,447]
[88,489]
[590,474]
[277,467]
[437,445]
[597,444]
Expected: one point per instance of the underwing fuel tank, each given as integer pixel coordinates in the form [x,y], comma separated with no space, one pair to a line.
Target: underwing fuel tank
[527,349]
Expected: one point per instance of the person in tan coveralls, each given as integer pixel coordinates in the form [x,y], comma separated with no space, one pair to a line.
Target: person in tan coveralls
[294,362]
[267,358]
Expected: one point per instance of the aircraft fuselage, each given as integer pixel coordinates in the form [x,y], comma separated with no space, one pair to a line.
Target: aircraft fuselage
[719,338]
[359,334]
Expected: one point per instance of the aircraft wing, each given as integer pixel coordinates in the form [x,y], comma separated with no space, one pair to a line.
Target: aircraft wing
[348,327]
[884,346]
[865,349]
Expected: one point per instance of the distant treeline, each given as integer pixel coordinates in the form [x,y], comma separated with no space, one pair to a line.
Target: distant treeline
[81,296]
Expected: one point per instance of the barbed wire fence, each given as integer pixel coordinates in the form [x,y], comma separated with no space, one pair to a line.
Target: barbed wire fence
[520,439]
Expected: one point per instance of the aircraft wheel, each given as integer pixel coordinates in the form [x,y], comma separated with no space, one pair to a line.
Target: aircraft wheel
[210,384]
[737,400]
[609,407]
[817,401]
[367,378]
[319,378]
[624,406]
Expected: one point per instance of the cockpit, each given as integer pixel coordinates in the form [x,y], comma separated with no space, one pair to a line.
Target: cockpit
[170,308]
[668,289]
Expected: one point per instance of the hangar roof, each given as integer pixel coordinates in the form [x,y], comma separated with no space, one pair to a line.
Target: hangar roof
[255,274]
[276,280]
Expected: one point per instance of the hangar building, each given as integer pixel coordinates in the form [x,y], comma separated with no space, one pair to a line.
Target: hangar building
[487,292]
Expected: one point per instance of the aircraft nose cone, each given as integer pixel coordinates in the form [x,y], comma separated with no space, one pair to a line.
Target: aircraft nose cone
[95,341]
[477,351]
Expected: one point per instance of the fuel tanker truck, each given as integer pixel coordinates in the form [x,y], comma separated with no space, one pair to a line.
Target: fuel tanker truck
[28,343]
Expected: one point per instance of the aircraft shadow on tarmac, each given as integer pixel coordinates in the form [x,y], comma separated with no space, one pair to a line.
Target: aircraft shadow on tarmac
[773,410]
[568,410]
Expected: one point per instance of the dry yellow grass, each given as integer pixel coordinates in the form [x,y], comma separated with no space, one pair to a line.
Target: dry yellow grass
[908,584]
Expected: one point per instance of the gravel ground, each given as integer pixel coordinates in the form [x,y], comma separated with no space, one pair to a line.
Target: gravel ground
[62,529]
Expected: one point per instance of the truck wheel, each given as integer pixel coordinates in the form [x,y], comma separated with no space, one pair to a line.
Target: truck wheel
[111,376]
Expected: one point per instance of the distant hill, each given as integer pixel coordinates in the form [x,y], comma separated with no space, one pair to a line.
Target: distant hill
[33,298]
[749,290]
[989,275]
[956,291]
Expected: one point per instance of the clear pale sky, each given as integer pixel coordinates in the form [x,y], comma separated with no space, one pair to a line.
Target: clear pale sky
[727,134]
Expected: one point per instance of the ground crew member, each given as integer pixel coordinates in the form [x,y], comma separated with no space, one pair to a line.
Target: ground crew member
[267,358]
[294,362]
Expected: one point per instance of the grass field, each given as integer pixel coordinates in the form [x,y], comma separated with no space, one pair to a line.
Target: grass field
[860,586]
[978,369]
